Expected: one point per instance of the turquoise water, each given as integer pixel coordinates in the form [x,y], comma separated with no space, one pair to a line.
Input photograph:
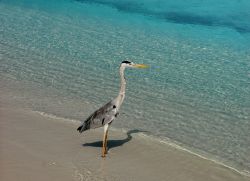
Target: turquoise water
[196,92]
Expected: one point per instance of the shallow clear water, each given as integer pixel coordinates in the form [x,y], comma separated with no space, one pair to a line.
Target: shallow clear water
[196,92]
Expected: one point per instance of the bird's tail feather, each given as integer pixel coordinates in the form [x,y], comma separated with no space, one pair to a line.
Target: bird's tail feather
[80,129]
[85,126]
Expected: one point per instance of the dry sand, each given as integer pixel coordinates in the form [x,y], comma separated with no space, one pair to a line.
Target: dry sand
[36,147]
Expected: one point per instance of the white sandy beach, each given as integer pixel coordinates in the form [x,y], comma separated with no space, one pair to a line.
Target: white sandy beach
[37,147]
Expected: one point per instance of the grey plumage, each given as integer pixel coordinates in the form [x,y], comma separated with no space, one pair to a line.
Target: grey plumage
[100,117]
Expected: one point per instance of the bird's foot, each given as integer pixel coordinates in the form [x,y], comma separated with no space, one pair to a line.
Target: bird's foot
[103,155]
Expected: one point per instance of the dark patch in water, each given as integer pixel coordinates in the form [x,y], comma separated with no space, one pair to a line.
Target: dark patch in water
[174,17]
[187,18]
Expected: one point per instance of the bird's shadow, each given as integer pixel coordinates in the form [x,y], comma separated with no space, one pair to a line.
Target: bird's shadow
[115,143]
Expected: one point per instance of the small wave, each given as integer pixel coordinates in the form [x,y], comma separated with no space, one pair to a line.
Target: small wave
[179,147]
[62,119]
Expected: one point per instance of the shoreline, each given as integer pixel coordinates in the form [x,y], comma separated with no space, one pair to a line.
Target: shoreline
[142,135]
[200,155]
[51,148]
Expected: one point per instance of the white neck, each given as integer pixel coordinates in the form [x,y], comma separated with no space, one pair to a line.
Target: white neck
[121,94]
[123,81]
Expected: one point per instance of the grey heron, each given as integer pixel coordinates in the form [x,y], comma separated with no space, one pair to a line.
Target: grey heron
[107,113]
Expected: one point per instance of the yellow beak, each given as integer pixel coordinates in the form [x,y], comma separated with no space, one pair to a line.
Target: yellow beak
[143,66]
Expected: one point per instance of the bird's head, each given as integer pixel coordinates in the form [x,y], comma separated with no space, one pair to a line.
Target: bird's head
[127,63]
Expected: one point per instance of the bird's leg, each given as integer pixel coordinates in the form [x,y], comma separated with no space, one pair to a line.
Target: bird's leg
[103,145]
[106,142]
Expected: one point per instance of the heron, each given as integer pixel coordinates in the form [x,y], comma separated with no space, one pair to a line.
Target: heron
[104,116]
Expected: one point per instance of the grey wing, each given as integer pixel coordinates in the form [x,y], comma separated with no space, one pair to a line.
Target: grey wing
[100,117]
